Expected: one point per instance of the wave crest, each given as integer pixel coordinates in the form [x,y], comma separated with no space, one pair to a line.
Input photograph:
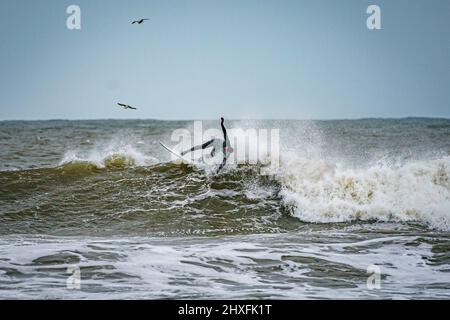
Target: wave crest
[114,155]
[320,192]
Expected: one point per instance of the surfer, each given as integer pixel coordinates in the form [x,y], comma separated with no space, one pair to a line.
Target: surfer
[216,144]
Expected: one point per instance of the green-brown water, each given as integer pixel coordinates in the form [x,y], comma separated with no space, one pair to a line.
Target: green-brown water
[103,196]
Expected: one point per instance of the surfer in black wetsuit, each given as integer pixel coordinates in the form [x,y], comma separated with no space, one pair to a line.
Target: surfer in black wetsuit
[215,144]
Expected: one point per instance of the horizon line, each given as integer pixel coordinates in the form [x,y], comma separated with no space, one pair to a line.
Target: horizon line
[232,119]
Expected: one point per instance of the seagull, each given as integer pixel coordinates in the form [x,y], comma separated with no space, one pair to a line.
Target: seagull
[126,106]
[139,21]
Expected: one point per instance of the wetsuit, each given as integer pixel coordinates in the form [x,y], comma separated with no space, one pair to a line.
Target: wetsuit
[226,147]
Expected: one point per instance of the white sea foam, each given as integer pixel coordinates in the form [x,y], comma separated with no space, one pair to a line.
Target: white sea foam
[318,191]
[115,152]
[321,190]
[264,266]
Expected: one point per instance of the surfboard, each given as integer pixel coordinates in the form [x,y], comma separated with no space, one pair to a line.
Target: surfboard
[176,154]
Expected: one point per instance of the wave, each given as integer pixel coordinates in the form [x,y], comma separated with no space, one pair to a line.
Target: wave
[313,189]
[115,154]
[321,192]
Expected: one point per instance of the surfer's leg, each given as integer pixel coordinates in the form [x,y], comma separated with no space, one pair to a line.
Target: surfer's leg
[202,146]
[220,167]
[224,161]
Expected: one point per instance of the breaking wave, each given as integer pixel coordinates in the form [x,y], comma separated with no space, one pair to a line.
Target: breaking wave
[312,188]
[321,192]
[116,154]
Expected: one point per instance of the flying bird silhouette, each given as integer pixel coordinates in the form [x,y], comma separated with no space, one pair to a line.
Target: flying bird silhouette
[126,106]
[139,21]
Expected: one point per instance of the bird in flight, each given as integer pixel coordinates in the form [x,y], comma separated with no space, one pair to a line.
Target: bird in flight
[126,106]
[139,21]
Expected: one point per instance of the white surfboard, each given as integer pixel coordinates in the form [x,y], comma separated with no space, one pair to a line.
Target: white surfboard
[176,154]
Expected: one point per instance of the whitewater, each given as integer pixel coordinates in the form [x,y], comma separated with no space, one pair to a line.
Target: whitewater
[346,195]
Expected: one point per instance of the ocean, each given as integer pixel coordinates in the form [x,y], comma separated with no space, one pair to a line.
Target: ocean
[97,209]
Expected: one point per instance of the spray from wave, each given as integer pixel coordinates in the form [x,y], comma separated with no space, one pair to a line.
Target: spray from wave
[116,153]
[321,188]
[320,183]
[321,192]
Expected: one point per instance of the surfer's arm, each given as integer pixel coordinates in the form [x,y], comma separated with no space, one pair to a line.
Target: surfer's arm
[225,136]
[202,146]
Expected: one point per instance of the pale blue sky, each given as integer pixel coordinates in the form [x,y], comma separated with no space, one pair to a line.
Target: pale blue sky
[233,58]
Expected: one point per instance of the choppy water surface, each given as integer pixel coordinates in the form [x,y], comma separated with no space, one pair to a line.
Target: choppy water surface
[103,196]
